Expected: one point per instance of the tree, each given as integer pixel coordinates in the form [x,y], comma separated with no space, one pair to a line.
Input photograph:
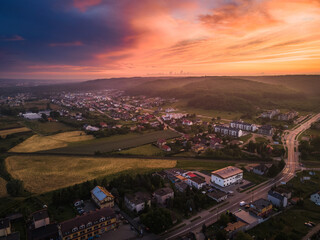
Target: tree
[243,236]
[282,236]
[15,187]
[158,219]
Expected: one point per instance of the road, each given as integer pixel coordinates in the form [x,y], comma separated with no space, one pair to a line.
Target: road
[292,165]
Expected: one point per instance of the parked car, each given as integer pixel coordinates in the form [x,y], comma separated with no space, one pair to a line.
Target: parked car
[242,203]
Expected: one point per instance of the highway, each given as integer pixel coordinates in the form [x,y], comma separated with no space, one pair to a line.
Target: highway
[292,165]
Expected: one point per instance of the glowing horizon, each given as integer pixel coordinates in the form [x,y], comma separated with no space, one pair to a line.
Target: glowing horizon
[87,39]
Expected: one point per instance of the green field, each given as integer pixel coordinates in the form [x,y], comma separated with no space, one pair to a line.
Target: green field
[114,143]
[47,128]
[199,164]
[9,122]
[145,150]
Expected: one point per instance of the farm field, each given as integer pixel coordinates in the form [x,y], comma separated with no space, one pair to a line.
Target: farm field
[41,143]
[199,164]
[6,132]
[46,173]
[3,188]
[47,128]
[145,150]
[114,143]
[9,122]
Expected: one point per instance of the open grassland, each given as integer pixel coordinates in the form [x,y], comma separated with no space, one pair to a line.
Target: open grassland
[41,143]
[145,150]
[114,143]
[198,164]
[47,128]
[3,188]
[46,173]
[6,132]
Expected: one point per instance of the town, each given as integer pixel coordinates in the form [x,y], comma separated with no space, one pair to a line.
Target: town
[125,206]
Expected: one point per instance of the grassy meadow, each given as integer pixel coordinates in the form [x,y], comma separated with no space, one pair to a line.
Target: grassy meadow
[47,128]
[41,143]
[144,150]
[46,173]
[4,133]
[114,143]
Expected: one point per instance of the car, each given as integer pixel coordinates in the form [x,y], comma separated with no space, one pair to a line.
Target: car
[242,203]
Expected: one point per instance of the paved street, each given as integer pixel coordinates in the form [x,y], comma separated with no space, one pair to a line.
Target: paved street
[292,164]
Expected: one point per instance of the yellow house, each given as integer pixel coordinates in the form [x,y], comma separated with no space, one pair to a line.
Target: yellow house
[102,197]
[89,225]
[5,227]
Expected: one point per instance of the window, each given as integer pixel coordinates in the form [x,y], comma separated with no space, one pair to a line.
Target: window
[96,232]
[82,232]
[89,229]
[102,224]
[89,224]
[82,227]
[90,234]
[83,237]
[75,229]
[75,235]
[95,227]
[102,219]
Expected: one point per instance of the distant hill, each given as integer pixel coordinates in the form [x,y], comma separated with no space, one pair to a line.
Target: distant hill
[244,94]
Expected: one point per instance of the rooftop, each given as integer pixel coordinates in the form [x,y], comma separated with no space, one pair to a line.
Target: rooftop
[261,203]
[101,193]
[197,180]
[227,172]
[138,197]
[12,236]
[4,223]
[234,226]
[94,216]
[39,215]
[246,217]
[163,191]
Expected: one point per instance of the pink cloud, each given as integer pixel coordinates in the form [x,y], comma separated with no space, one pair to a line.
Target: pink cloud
[67,44]
[12,38]
[83,5]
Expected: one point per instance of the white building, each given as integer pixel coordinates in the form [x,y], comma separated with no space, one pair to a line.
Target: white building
[277,199]
[196,182]
[32,116]
[137,201]
[228,131]
[243,126]
[226,176]
[315,198]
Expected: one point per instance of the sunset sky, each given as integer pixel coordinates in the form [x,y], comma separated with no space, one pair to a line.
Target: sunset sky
[88,39]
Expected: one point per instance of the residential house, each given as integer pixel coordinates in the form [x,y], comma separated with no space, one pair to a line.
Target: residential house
[101,197]
[103,125]
[248,218]
[287,116]
[243,126]
[166,148]
[48,232]
[163,194]
[270,114]
[261,207]
[227,176]
[315,198]
[277,199]
[235,227]
[261,169]
[88,225]
[266,130]
[181,186]
[161,142]
[40,218]
[5,227]
[187,122]
[217,195]
[228,131]
[196,182]
[6,232]
[136,202]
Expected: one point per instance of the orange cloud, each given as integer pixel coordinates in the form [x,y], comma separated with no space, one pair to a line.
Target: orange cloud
[83,5]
